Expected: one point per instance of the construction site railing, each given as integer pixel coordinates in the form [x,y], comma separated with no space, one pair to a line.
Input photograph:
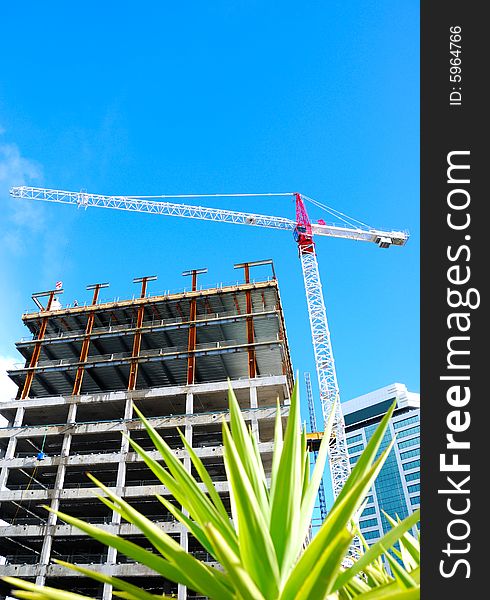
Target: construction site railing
[60,334]
[223,412]
[232,285]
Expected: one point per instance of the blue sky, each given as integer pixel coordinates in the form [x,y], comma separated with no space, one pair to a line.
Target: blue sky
[245,96]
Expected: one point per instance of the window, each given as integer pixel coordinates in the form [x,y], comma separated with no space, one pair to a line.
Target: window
[354,439]
[368,511]
[408,431]
[414,488]
[415,500]
[369,535]
[369,523]
[409,454]
[405,422]
[368,412]
[411,465]
[357,448]
[407,443]
[353,460]
[412,476]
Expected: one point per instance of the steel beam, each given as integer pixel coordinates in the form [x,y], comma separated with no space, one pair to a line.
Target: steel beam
[42,332]
[77,386]
[133,370]
[252,359]
[192,337]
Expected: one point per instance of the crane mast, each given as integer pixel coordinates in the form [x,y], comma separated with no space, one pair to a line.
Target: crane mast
[322,348]
[313,428]
[304,232]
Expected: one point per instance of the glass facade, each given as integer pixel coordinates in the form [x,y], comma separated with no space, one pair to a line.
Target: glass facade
[410,454]
[396,490]
[411,465]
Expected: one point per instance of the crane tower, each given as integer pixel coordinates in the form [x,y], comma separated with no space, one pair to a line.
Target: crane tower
[313,428]
[304,232]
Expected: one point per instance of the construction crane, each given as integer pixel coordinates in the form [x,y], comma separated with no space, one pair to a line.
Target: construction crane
[313,430]
[304,232]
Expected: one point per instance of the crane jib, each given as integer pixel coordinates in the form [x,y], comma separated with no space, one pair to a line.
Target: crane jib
[153,206]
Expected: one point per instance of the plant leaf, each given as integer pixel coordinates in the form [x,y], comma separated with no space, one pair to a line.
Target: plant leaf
[244,584]
[411,544]
[201,575]
[369,454]
[309,498]
[133,591]
[245,449]
[191,525]
[401,575]
[182,485]
[391,592]
[205,478]
[276,456]
[174,571]
[26,589]
[320,580]
[286,502]
[256,548]
[338,519]
[377,549]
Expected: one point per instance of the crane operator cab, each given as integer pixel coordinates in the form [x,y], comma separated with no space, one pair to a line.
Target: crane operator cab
[302,236]
[299,230]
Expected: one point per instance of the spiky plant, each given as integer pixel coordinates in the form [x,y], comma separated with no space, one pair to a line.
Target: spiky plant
[261,550]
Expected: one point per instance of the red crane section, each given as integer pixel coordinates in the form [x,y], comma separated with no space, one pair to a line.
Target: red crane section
[303,234]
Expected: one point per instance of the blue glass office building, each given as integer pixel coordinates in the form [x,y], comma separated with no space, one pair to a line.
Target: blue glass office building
[397,488]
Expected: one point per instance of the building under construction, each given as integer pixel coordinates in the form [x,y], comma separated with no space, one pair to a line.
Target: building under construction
[170,354]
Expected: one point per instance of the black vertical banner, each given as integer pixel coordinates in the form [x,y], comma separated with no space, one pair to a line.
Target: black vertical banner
[455,169]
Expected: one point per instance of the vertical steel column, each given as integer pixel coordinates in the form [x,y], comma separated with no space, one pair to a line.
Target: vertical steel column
[42,332]
[252,363]
[252,360]
[191,341]
[77,385]
[133,370]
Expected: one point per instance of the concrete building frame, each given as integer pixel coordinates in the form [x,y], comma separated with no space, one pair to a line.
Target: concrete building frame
[172,355]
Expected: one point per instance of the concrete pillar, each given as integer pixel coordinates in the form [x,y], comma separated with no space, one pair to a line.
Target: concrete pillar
[19,417]
[107,591]
[189,410]
[184,542]
[55,502]
[254,423]
[11,446]
[189,403]
[120,483]
[184,537]
[72,413]
[121,468]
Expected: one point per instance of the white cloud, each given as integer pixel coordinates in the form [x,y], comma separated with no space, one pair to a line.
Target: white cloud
[16,170]
[26,230]
[21,230]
